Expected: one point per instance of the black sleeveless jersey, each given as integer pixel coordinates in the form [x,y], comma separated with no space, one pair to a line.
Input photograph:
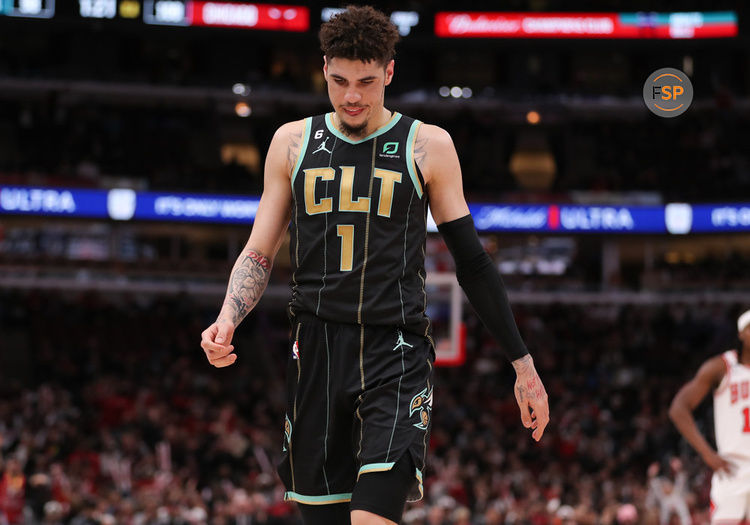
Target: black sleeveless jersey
[358,227]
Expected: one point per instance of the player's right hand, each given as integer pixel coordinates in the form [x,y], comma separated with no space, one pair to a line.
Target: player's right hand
[216,341]
[719,464]
[531,397]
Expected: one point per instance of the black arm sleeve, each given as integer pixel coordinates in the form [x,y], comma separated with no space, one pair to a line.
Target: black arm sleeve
[482,284]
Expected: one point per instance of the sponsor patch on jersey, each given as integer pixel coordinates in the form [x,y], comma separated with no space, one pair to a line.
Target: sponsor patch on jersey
[390,151]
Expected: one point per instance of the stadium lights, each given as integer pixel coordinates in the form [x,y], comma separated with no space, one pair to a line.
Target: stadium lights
[241,89]
[242,109]
[455,92]
[405,20]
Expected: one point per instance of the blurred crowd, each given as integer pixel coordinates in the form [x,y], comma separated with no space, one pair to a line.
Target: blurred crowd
[109,414]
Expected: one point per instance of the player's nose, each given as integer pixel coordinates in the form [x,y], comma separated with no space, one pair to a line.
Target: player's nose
[352,96]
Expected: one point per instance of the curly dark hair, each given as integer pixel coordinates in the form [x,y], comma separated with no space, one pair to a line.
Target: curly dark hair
[359,33]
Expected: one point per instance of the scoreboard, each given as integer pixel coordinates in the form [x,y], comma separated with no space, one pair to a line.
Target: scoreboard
[28,8]
[170,12]
[165,12]
[454,24]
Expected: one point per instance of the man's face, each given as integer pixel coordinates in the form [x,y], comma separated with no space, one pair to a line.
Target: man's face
[744,336]
[357,91]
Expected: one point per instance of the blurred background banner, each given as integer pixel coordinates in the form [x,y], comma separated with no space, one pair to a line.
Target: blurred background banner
[124,204]
[586,25]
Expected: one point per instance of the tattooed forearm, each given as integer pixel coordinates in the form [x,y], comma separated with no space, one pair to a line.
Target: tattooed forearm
[246,285]
[420,152]
[292,151]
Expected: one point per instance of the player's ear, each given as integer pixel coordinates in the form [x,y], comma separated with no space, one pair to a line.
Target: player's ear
[325,67]
[389,72]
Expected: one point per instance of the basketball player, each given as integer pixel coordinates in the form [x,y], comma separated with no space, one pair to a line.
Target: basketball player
[728,375]
[355,184]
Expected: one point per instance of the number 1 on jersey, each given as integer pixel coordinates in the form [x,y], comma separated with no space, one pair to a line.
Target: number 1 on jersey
[746,412]
[346,232]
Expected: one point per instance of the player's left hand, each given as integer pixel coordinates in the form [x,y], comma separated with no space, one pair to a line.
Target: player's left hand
[531,396]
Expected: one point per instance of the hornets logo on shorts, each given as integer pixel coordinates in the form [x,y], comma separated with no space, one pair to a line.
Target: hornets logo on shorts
[287,432]
[422,402]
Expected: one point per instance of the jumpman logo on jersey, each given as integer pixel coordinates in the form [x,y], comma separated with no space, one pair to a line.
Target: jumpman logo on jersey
[322,147]
[401,343]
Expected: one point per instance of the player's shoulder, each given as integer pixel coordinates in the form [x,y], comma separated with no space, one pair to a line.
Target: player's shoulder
[288,135]
[714,368]
[436,134]
[285,146]
[292,128]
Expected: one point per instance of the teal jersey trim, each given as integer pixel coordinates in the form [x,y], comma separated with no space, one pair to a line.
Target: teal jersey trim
[418,474]
[328,499]
[332,128]
[303,149]
[410,164]
[375,467]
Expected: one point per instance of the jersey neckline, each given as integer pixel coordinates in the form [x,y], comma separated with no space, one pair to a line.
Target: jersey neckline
[386,127]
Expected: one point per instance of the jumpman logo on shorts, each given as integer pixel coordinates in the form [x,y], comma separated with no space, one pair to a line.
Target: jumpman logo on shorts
[322,147]
[401,343]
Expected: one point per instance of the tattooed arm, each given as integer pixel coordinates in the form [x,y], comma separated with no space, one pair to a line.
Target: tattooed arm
[246,285]
[436,158]
[249,276]
[252,269]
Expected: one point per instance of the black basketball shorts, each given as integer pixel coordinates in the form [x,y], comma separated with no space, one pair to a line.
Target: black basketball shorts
[359,398]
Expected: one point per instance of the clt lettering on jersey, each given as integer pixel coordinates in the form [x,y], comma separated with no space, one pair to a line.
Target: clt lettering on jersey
[739,391]
[347,202]
[358,226]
